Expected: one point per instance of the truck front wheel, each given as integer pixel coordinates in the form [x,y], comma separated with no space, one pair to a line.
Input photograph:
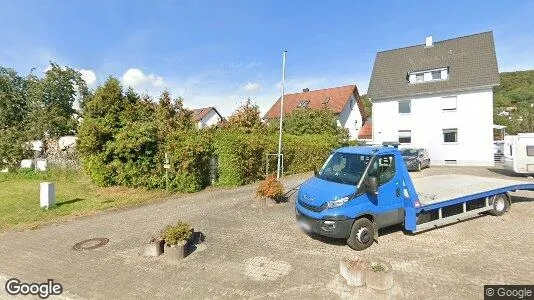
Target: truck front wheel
[500,205]
[362,234]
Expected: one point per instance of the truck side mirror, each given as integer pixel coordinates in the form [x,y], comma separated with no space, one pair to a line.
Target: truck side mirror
[372,185]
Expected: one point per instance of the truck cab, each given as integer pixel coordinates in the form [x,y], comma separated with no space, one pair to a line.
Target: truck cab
[354,182]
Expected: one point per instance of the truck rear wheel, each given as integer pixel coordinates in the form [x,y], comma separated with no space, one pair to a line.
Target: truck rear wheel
[362,234]
[500,205]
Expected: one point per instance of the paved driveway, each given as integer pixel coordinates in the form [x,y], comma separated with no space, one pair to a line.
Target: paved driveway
[256,252]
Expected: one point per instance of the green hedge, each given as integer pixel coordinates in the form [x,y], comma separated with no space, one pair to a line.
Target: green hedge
[242,157]
[307,152]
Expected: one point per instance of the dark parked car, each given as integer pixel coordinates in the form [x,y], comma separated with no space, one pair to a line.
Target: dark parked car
[416,158]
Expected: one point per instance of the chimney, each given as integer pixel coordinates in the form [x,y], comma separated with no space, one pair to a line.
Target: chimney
[305,90]
[429,42]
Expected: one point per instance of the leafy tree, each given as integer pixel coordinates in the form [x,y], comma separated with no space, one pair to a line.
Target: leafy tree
[12,148]
[102,119]
[303,121]
[516,90]
[245,119]
[13,104]
[13,113]
[368,106]
[171,114]
[51,100]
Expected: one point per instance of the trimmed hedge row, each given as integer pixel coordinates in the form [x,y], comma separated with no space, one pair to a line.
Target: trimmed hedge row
[242,157]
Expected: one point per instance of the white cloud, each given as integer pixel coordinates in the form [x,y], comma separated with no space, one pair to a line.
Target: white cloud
[295,85]
[253,65]
[135,78]
[251,87]
[88,76]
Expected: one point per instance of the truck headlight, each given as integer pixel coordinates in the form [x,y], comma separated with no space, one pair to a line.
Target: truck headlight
[337,202]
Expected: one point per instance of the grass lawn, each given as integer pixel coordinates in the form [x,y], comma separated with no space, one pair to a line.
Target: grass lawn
[75,196]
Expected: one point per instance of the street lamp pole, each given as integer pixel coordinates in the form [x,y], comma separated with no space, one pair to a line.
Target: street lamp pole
[278,173]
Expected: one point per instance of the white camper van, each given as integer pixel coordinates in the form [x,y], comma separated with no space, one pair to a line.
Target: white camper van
[518,153]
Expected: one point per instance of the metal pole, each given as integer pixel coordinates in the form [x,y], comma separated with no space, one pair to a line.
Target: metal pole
[281,114]
[166,166]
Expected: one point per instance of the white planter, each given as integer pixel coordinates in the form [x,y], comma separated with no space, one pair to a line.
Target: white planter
[41,165]
[26,163]
[354,270]
[380,275]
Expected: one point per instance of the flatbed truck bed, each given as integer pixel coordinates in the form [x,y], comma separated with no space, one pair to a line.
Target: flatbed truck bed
[443,188]
[446,199]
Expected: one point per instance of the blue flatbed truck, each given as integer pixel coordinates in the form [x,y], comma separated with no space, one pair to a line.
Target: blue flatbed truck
[362,189]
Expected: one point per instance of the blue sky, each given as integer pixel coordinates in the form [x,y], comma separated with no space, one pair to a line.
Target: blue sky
[218,53]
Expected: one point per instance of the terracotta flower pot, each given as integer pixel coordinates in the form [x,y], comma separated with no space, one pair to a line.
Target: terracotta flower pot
[176,252]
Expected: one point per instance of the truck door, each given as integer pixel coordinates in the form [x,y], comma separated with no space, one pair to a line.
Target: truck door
[389,200]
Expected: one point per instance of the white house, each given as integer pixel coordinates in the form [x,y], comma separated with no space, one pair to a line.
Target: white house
[207,116]
[344,101]
[439,96]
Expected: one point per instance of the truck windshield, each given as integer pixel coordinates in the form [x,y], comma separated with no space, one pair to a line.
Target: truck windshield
[344,168]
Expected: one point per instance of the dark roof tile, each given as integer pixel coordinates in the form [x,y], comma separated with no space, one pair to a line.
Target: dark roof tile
[471,60]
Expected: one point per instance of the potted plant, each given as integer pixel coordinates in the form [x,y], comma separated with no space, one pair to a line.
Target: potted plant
[379,275]
[353,270]
[176,239]
[270,190]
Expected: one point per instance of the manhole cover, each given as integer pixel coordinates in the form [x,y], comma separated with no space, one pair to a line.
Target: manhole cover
[90,244]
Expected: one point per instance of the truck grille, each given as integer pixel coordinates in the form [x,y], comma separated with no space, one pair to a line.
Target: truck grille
[311,207]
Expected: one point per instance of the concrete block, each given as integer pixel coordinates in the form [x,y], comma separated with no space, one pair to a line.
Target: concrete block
[26,164]
[47,194]
[154,248]
[176,252]
[41,164]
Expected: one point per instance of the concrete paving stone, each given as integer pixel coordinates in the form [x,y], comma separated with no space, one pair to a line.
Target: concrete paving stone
[242,241]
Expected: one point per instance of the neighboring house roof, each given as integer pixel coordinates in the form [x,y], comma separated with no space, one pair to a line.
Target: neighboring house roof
[200,113]
[471,61]
[333,98]
[366,132]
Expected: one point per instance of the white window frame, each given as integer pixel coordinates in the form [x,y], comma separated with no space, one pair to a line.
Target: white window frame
[409,105]
[449,130]
[420,77]
[449,108]
[427,75]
